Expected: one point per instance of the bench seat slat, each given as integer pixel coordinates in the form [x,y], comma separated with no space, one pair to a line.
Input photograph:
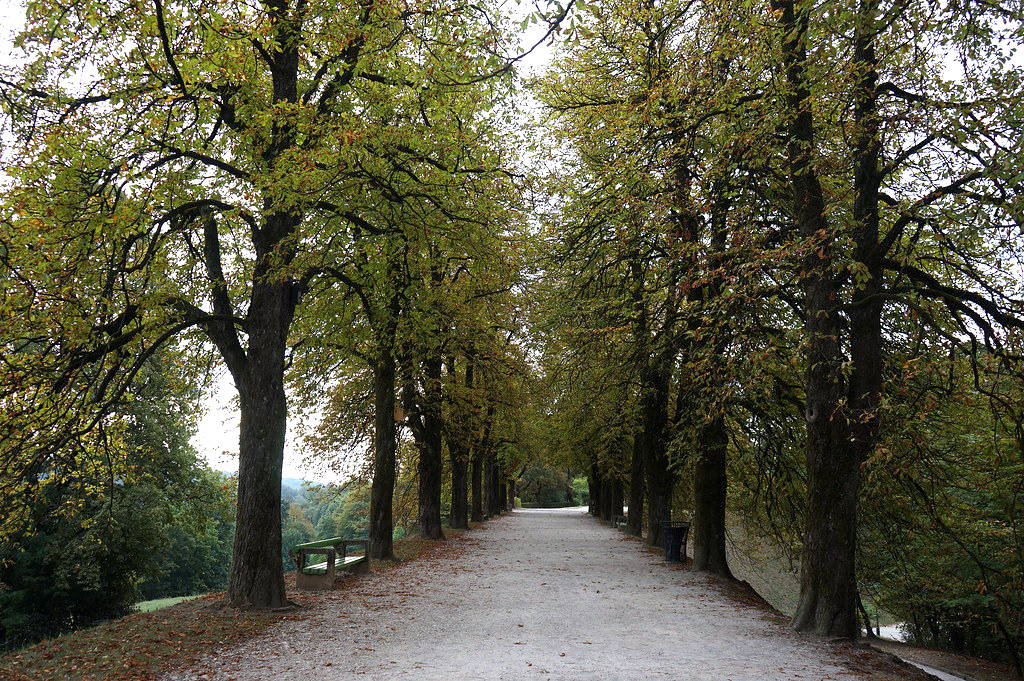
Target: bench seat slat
[321,567]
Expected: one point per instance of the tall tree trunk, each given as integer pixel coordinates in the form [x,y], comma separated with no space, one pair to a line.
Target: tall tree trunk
[616,498]
[594,488]
[710,489]
[256,578]
[494,485]
[607,492]
[476,466]
[865,382]
[483,469]
[431,464]
[459,456]
[502,488]
[459,515]
[382,489]
[635,520]
[710,474]
[828,589]
[511,494]
[659,477]
[490,503]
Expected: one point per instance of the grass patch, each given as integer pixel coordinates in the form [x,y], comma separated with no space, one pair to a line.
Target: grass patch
[160,603]
[138,646]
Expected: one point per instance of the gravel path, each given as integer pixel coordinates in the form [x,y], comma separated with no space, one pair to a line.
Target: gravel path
[534,595]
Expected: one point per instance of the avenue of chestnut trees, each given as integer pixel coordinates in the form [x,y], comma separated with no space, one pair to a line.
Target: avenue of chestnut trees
[760,260]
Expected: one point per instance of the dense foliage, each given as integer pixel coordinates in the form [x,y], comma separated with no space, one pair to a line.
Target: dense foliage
[130,515]
[782,281]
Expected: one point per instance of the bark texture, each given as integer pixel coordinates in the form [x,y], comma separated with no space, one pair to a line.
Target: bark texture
[828,590]
[431,464]
[382,489]
[501,484]
[709,493]
[492,504]
[617,503]
[459,515]
[459,458]
[477,475]
[659,477]
[256,579]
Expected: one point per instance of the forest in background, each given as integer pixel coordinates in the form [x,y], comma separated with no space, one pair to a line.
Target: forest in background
[757,261]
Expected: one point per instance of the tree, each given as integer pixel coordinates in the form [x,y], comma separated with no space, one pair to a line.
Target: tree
[192,181]
[665,108]
[850,258]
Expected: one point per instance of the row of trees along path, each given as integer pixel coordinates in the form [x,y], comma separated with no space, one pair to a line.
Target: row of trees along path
[751,246]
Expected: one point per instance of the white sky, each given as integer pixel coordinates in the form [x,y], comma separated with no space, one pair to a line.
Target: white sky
[216,439]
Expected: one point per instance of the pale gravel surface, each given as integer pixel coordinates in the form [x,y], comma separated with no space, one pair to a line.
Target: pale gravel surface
[535,595]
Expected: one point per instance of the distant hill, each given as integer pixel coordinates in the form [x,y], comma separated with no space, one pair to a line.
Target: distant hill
[295,483]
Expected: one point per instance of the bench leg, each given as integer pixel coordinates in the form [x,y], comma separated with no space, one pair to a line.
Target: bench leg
[330,572]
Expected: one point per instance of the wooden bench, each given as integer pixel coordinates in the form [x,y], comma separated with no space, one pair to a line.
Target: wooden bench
[335,550]
[619,521]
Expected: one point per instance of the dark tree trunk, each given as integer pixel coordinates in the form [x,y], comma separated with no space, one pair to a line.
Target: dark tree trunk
[659,477]
[459,516]
[511,494]
[607,492]
[635,520]
[256,578]
[869,632]
[710,475]
[828,590]
[488,485]
[710,489]
[483,469]
[865,382]
[490,502]
[617,502]
[494,489]
[431,464]
[866,311]
[594,487]
[502,489]
[477,509]
[385,444]
[459,456]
